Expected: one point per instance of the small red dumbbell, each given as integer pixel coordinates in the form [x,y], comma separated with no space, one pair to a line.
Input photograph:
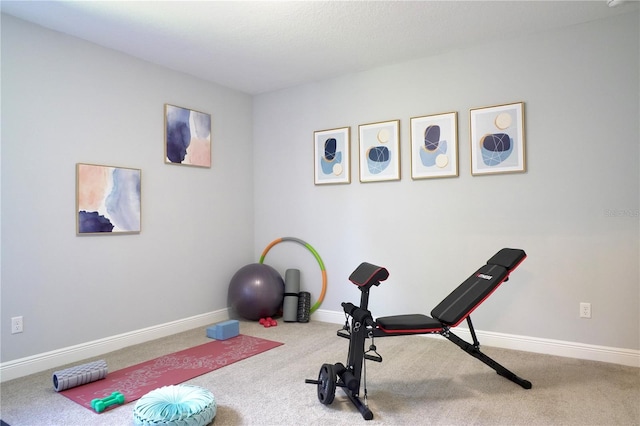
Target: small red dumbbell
[268,322]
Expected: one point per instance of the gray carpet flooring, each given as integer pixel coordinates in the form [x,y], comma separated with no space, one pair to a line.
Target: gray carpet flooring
[422,380]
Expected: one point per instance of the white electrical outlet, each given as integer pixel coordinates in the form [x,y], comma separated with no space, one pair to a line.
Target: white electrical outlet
[16,325]
[585,310]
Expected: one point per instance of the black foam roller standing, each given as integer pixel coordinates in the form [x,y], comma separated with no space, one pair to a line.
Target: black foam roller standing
[291,290]
[304,306]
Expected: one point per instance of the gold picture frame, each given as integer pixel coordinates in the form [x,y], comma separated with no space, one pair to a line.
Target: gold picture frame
[434,146]
[331,156]
[187,137]
[379,151]
[108,200]
[497,139]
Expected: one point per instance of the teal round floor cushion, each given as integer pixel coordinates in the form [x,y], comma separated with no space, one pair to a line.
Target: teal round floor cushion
[179,405]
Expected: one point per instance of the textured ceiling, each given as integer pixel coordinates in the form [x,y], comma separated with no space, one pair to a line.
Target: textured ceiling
[263,46]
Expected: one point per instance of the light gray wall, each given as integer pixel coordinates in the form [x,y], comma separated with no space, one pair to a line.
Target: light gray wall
[66,101]
[575,211]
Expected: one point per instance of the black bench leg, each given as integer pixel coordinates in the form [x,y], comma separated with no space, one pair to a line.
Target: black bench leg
[364,410]
[474,351]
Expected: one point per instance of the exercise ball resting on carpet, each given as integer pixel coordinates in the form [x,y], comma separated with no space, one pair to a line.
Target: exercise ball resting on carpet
[256,291]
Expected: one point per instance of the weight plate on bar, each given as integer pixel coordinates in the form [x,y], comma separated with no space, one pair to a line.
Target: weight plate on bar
[326,384]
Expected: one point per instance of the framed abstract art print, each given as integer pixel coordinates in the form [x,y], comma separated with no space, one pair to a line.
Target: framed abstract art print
[107,200]
[497,139]
[187,137]
[380,151]
[434,146]
[331,156]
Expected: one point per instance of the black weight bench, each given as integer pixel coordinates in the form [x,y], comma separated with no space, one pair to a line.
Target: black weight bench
[449,313]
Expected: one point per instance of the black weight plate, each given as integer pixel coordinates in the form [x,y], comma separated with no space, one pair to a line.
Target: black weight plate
[326,384]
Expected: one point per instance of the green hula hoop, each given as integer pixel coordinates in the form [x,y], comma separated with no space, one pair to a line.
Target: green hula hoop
[315,254]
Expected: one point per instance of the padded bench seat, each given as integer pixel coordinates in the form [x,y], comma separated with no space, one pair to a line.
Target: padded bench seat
[414,323]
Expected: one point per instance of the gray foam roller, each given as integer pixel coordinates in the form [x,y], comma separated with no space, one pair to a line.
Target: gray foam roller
[291,290]
[79,375]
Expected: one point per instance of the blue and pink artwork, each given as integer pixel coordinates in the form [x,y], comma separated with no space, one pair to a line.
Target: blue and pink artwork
[108,199]
[187,137]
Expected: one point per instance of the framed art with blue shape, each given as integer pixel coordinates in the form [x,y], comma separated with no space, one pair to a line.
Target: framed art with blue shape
[107,200]
[497,139]
[187,137]
[379,151]
[331,159]
[434,146]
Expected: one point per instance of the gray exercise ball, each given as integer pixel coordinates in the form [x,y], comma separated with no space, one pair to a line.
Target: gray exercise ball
[256,291]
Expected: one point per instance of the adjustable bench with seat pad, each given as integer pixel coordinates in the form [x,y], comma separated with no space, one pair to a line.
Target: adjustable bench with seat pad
[449,313]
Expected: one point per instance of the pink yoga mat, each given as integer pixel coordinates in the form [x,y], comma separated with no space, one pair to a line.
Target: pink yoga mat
[135,381]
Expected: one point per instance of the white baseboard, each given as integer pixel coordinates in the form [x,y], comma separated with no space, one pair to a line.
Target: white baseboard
[41,362]
[33,364]
[628,357]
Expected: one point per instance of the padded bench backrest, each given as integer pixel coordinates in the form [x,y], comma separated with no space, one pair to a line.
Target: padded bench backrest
[464,299]
[459,304]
